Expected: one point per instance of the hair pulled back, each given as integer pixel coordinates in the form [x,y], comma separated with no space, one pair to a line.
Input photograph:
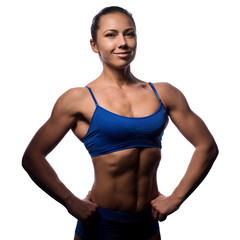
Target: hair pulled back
[105,11]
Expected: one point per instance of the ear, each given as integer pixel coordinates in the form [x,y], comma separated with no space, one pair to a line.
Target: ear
[94,46]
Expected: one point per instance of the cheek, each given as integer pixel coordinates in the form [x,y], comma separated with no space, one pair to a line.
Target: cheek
[133,44]
[105,47]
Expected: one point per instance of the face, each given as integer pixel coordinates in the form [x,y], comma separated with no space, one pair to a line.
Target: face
[116,40]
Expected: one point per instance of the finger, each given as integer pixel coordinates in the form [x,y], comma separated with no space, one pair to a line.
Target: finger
[88,197]
[155,214]
[91,218]
[162,218]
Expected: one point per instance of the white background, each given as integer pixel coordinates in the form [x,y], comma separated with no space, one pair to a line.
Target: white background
[44,50]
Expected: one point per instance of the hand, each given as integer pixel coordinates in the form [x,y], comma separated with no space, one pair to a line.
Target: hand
[163,206]
[84,210]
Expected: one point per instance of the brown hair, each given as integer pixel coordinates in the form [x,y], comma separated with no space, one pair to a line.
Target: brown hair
[105,11]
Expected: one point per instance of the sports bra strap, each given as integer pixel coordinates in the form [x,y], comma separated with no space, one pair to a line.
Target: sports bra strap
[90,90]
[154,89]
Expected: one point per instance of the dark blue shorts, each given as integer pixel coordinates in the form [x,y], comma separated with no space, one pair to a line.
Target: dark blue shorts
[112,225]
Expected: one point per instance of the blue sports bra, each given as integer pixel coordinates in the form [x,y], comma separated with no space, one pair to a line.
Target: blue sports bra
[109,132]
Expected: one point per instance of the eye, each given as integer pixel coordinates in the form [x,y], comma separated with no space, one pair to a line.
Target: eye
[110,35]
[131,34]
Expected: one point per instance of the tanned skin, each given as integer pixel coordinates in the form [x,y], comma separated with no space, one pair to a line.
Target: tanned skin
[124,180]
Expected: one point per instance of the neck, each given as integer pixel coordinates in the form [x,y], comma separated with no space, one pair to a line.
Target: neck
[119,77]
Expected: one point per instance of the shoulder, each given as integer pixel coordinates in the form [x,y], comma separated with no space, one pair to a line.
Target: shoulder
[165,88]
[78,93]
[72,100]
[171,96]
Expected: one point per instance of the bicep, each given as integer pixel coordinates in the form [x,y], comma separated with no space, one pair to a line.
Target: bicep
[52,132]
[189,124]
[192,127]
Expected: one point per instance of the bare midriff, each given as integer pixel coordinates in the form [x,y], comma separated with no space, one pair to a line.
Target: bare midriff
[126,180]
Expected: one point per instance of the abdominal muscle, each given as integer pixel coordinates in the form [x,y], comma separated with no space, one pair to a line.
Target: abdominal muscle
[126,180]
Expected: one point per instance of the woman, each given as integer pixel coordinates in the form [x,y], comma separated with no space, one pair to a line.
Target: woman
[121,120]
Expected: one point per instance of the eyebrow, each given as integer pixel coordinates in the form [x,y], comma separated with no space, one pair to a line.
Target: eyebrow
[114,30]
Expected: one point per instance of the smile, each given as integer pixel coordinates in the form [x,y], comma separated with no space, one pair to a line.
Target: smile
[122,54]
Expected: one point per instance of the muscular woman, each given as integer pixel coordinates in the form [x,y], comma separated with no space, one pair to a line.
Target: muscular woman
[121,120]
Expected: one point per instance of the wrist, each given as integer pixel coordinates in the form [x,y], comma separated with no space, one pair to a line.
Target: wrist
[68,199]
[177,198]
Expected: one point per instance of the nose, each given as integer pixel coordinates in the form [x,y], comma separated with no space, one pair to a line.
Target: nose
[122,43]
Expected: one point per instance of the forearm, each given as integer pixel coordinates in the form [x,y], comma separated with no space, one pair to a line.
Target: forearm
[200,164]
[46,178]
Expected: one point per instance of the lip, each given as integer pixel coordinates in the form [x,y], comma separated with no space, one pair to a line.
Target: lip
[123,54]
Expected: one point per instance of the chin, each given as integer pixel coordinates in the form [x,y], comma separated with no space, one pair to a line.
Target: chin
[118,63]
[122,64]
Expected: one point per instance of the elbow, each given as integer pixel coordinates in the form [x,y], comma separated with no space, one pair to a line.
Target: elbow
[25,161]
[213,151]
[216,151]
[28,161]
[32,160]
[210,150]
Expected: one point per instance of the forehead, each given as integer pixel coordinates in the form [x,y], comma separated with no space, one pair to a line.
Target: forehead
[115,21]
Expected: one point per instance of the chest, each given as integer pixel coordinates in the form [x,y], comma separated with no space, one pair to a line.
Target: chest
[128,103]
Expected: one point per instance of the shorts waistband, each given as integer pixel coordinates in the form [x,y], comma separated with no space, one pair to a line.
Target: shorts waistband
[127,217]
[124,216]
